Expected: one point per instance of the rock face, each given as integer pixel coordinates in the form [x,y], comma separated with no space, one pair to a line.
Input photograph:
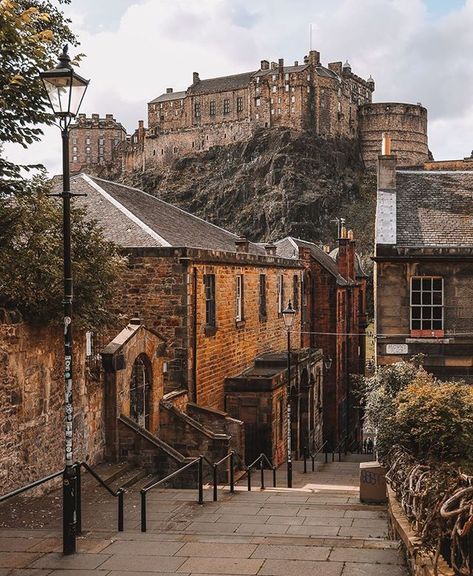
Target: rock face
[278,182]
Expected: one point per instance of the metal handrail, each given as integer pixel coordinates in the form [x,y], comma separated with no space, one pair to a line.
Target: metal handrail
[119,493]
[260,460]
[199,461]
[338,449]
[215,466]
[313,456]
[34,484]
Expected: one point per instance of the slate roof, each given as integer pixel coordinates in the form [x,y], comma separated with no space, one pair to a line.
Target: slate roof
[221,84]
[168,96]
[434,208]
[288,248]
[132,218]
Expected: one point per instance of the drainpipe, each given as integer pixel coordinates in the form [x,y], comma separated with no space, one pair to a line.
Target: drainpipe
[194,336]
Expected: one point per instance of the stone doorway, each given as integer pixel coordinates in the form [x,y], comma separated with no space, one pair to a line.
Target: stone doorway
[140,391]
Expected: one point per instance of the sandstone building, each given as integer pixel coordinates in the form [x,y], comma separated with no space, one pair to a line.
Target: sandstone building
[330,100]
[424,266]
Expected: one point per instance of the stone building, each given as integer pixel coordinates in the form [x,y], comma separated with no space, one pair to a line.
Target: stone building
[216,300]
[424,267]
[93,142]
[334,320]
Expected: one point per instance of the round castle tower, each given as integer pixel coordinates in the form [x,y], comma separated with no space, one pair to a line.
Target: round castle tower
[406,124]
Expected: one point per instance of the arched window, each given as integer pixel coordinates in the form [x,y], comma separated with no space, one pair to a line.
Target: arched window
[140,388]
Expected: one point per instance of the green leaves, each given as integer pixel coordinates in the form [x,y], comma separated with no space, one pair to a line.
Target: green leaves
[31,259]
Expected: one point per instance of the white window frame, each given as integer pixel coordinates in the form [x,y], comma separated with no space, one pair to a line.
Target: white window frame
[430,305]
[239,297]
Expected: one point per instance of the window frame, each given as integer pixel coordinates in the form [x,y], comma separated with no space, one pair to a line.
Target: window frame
[239,298]
[262,300]
[226,106]
[197,110]
[295,292]
[280,294]
[239,103]
[210,301]
[212,108]
[437,325]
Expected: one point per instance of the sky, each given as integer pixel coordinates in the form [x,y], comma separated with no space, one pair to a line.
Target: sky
[416,50]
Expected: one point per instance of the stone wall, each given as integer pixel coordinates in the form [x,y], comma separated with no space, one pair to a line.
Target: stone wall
[31,404]
[406,124]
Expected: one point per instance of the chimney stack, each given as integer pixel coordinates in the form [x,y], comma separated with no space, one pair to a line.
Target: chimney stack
[385,229]
[264,65]
[314,58]
[169,90]
[270,249]
[195,77]
[281,65]
[242,245]
[296,63]
[386,166]
[273,65]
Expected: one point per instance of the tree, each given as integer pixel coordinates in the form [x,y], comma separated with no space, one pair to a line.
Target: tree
[31,260]
[31,35]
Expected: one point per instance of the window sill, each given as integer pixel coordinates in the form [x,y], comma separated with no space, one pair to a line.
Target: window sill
[210,330]
[427,333]
[240,323]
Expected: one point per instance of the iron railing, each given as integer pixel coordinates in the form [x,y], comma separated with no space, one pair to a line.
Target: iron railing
[262,458]
[341,447]
[231,457]
[196,462]
[313,456]
[30,486]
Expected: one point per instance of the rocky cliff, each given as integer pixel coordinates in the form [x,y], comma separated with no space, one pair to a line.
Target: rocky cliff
[277,183]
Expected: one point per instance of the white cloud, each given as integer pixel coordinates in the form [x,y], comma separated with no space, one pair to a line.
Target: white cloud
[159,43]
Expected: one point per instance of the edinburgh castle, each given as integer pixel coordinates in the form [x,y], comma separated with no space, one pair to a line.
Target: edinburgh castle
[331,101]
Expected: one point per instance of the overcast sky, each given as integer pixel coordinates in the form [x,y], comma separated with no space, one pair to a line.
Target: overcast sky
[416,50]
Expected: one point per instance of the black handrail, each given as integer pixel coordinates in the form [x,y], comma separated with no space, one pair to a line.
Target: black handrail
[215,466]
[119,493]
[313,456]
[34,484]
[260,460]
[199,461]
[338,449]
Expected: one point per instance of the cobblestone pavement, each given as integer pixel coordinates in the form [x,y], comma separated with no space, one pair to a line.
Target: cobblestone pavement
[317,528]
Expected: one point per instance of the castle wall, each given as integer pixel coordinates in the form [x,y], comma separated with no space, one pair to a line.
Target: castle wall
[406,124]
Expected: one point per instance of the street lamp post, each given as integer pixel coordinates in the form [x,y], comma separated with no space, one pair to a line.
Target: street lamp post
[289,315]
[65,91]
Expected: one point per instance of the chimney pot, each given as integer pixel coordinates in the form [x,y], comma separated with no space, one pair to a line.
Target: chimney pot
[281,64]
[135,321]
[386,145]
[350,234]
[296,62]
[386,166]
[195,77]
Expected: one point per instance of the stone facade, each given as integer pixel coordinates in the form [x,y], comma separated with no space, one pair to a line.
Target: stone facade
[32,399]
[93,142]
[406,125]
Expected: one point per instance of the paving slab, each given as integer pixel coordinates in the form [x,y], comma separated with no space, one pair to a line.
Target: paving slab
[217,528]
[269,551]
[80,561]
[262,529]
[221,566]
[131,547]
[373,570]
[363,532]
[314,530]
[17,559]
[322,521]
[217,550]
[300,568]
[366,556]
[16,544]
[142,563]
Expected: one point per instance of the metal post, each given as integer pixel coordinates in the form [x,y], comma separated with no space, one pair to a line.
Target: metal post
[78,500]
[215,482]
[274,476]
[288,405]
[313,464]
[326,457]
[200,475]
[261,467]
[69,478]
[232,472]
[121,493]
[249,479]
[143,511]
[305,463]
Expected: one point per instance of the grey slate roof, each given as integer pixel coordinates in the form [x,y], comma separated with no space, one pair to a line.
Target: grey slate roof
[132,218]
[168,96]
[288,248]
[221,84]
[434,208]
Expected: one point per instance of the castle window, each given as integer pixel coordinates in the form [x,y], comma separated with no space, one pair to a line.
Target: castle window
[308,89]
[87,140]
[275,88]
[286,77]
[287,87]
[258,102]
[272,110]
[226,106]
[257,116]
[239,104]
[280,293]
[257,90]
[154,152]
[162,151]
[212,108]
[101,141]
[197,109]
[74,158]
[74,148]
[257,79]
[87,149]
[293,109]
[279,110]
[272,100]
[274,77]
[174,149]
[293,89]
[308,77]
[427,305]
[293,99]
[279,100]
[176,112]
[209,284]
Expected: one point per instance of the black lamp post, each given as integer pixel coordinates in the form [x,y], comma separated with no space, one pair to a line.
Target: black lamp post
[289,315]
[65,91]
